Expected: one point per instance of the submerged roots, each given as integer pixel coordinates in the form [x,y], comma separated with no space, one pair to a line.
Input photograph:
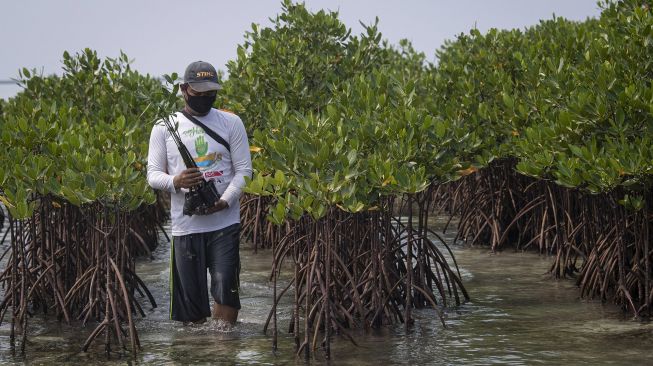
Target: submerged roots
[592,238]
[359,270]
[77,264]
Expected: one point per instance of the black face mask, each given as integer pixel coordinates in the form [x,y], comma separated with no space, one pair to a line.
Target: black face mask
[200,104]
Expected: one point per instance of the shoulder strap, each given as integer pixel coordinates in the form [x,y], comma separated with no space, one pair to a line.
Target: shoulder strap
[209,131]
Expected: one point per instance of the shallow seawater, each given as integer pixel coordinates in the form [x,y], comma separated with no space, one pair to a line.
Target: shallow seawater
[518,315]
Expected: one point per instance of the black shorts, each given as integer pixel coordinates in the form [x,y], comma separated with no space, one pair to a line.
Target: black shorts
[191,256]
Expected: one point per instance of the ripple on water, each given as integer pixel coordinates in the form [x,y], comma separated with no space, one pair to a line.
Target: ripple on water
[517,316]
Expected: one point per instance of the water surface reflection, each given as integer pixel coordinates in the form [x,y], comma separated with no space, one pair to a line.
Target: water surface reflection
[517,316]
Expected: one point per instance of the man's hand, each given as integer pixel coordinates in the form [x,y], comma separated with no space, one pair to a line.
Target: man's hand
[219,205]
[188,178]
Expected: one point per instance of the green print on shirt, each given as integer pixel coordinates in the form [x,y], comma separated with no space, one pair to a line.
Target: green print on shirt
[193,132]
[201,146]
[203,160]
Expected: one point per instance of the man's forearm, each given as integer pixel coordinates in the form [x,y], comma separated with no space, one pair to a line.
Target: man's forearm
[162,181]
[235,189]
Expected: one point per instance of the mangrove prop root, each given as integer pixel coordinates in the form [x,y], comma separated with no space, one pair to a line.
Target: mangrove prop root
[589,236]
[355,270]
[78,263]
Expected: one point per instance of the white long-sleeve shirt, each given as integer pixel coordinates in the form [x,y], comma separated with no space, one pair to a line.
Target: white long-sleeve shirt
[226,169]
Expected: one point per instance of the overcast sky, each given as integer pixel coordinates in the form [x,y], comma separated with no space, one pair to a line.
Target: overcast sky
[163,36]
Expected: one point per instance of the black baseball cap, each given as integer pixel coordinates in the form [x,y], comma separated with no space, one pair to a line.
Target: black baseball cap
[201,76]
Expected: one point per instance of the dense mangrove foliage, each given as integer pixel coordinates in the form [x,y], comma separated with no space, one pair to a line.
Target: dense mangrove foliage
[535,139]
[567,156]
[72,179]
[339,141]
[549,129]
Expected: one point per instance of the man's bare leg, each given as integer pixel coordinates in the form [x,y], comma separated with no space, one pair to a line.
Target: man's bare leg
[225,313]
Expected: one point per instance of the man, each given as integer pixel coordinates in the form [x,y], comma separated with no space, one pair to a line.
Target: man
[209,240]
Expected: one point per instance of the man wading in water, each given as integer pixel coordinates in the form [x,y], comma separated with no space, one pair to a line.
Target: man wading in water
[209,239]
